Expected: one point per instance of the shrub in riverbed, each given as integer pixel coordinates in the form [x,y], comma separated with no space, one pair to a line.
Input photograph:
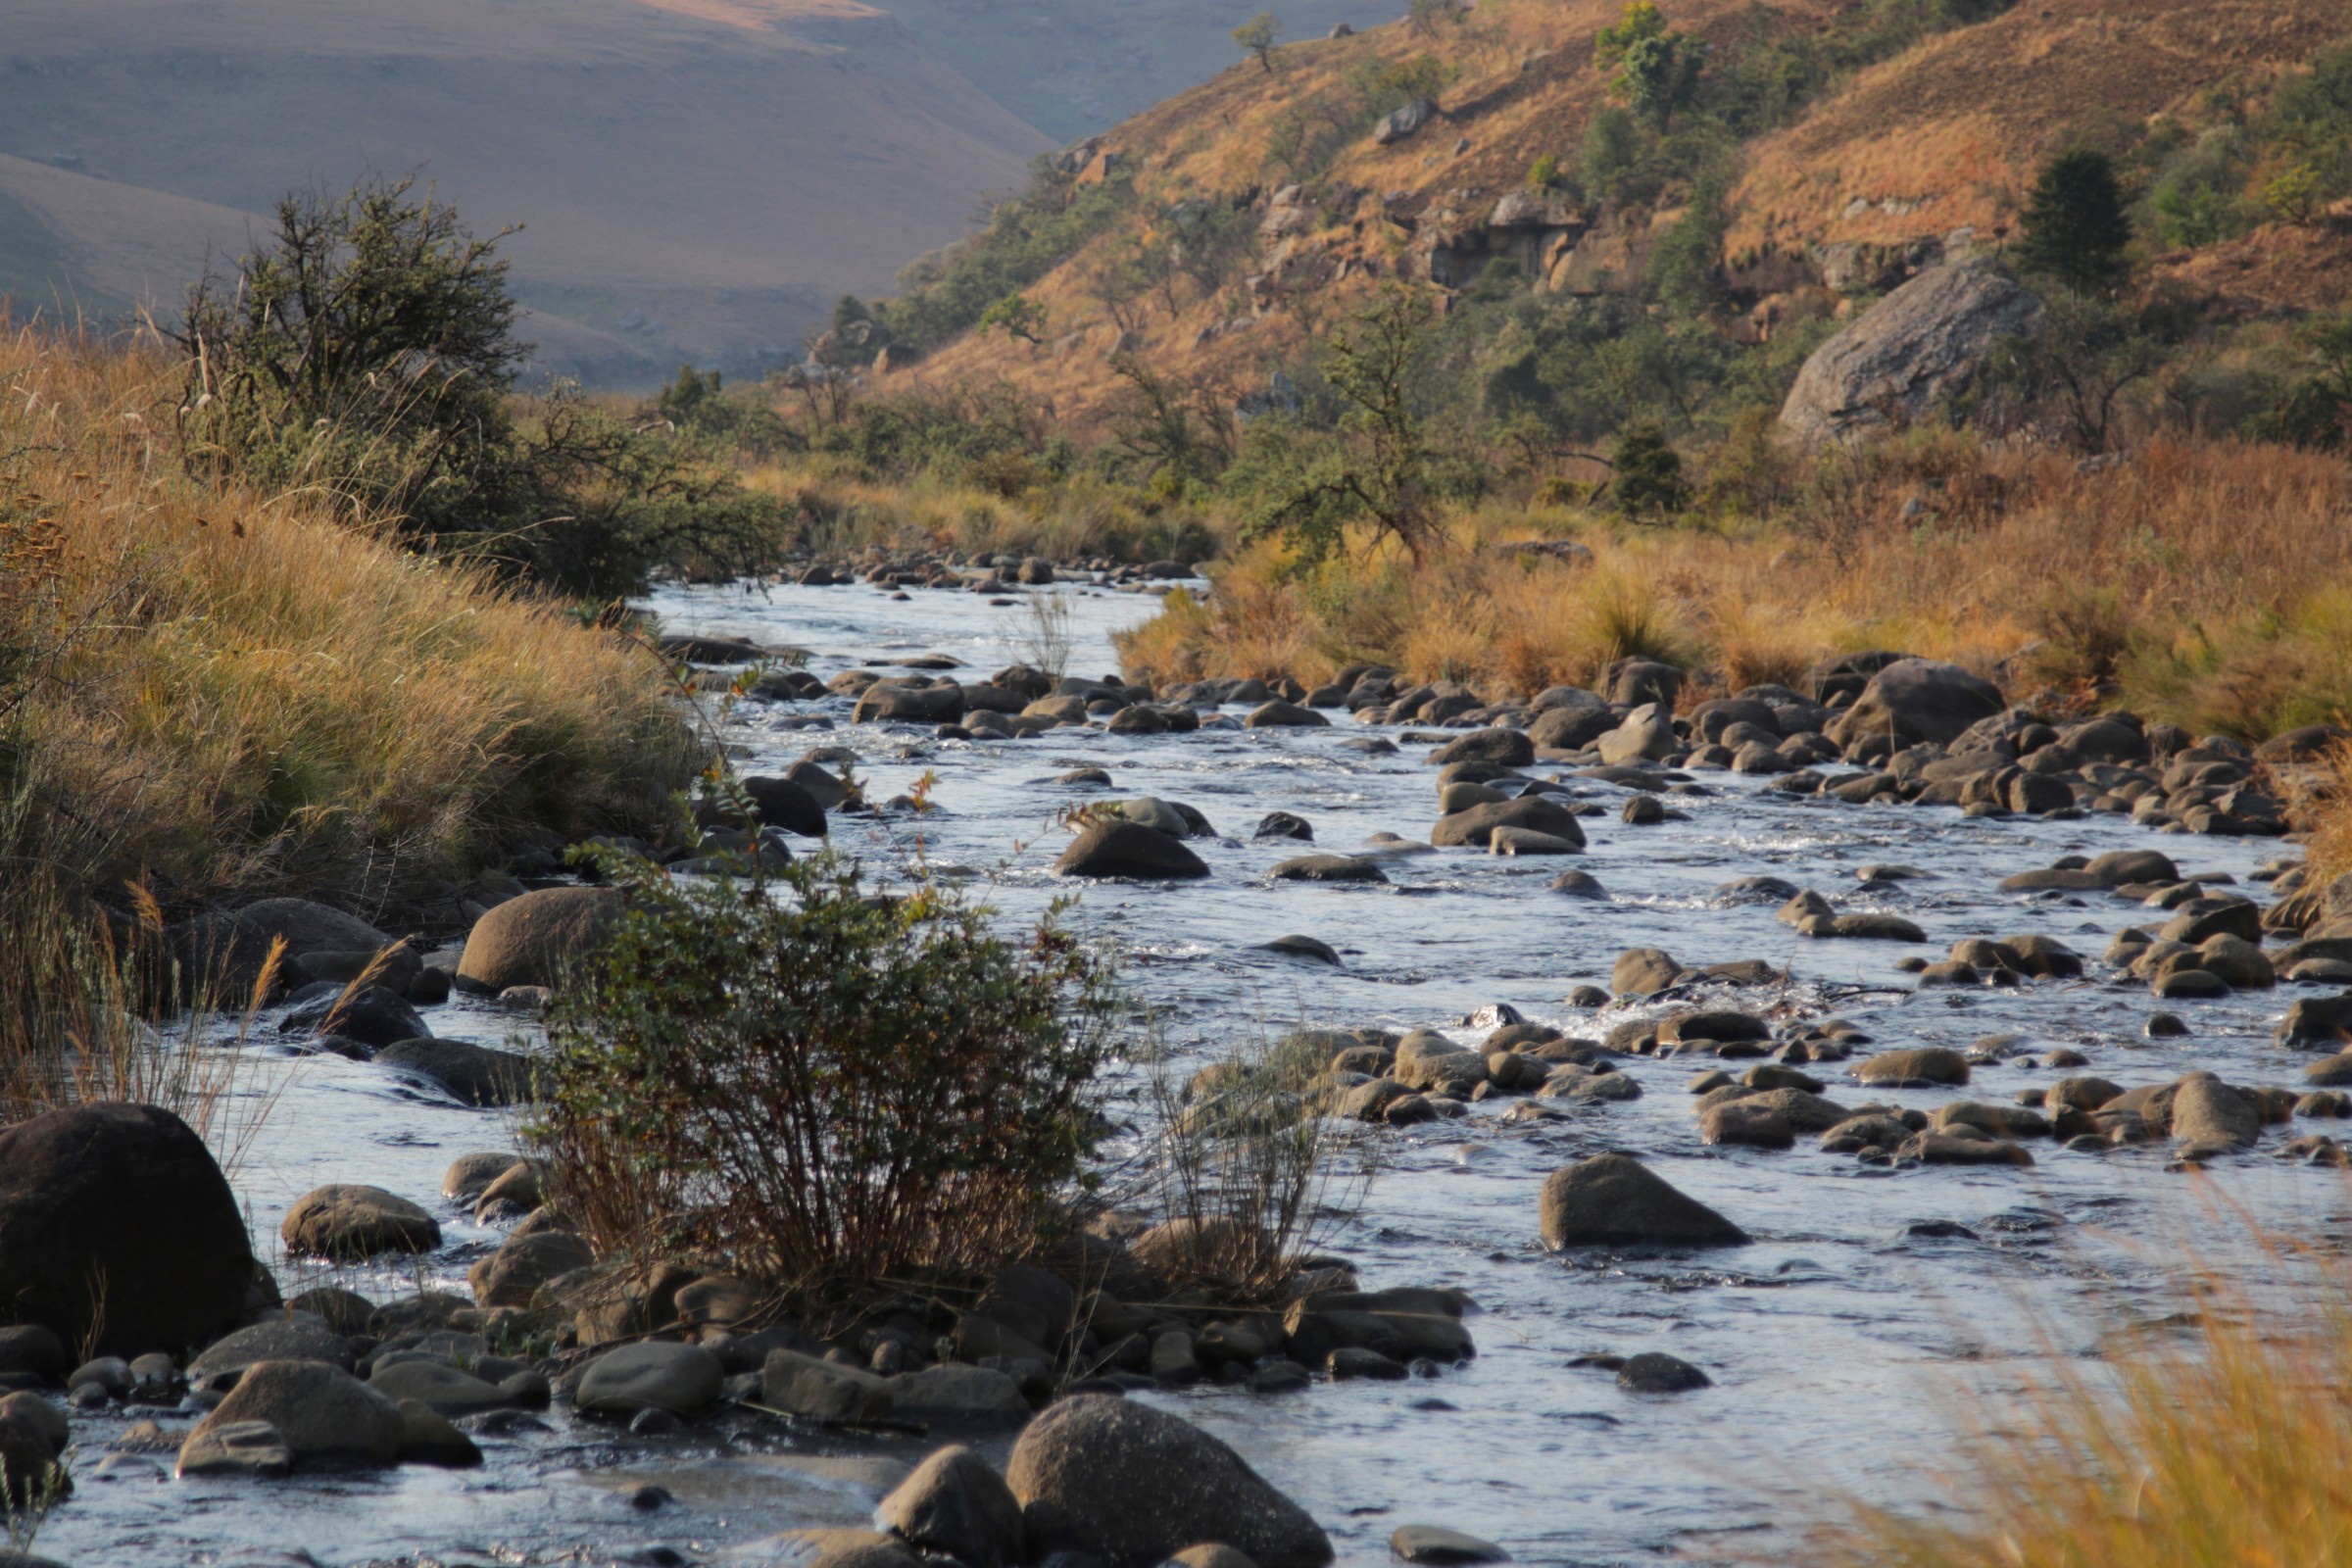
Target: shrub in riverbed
[822,1086]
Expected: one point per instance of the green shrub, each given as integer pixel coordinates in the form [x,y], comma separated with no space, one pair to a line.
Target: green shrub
[1647,480]
[367,348]
[822,1087]
[367,353]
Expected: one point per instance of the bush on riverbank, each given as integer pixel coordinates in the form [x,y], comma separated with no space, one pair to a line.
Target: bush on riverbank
[220,692]
[824,1089]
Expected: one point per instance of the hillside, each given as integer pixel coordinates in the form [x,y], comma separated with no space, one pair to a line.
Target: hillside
[1848,151]
[700,178]
[1948,134]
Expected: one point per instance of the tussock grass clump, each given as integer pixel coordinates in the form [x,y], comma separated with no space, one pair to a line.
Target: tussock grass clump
[2225,1445]
[216,692]
[1250,1171]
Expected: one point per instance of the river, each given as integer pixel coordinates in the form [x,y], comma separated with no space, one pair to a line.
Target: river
[1876,1315]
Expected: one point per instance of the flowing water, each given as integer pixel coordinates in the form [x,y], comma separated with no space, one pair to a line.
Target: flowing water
[1876,1313]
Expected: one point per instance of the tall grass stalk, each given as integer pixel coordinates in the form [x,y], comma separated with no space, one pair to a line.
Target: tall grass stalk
[94,1009]
[1249,1168]
[1046,643]
[255,692]
[2222,1446]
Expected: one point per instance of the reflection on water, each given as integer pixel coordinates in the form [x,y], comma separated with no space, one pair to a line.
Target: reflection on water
[1836,1341]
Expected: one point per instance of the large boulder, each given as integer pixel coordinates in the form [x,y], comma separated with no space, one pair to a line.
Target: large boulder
[1535,813]
[117,1229]
[1634,680]
[1573,723]
[1646,735]
[1107,848]
[653,1375]
[1616,1200]
[321,1412]
[307,928]
[954,1394]
[348,1222]
[954,1506]
[1394,127]
[941,703]
[1133,1485]
[512,1275]
[789,803]
[2206,1110]
[530,941]
[286,1339]
[371,1015]
[1911,352]
[1506,747]
[2311,1023]
[1917,700]
[479,1075]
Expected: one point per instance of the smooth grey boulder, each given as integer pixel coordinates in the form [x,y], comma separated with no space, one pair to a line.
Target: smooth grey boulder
[954,1506]
[1917,700]
[1394,127]
[1616,1200]
[530,941]
[1132,1486]
[349,1221]
[320,1412]
[1128,849]
[1911,352]
[653,1375]
[223,1362]
[121,1234]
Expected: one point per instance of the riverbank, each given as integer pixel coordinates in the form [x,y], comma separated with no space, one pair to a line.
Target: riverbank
[221,694]
[2199,583]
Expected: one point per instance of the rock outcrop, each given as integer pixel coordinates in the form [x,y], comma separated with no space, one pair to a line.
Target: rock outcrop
[1911,352]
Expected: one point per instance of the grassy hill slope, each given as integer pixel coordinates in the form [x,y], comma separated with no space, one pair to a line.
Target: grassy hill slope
[1854,137]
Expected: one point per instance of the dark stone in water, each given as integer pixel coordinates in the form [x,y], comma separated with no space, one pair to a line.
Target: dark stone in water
[1653,1372]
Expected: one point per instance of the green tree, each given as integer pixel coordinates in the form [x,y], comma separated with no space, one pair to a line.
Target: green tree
[368,352]
[1656,68]
[1258,35]
[1384,467]
[828,1089]
[2071,378]
[2076,227]
[2315,408]
[1015,315]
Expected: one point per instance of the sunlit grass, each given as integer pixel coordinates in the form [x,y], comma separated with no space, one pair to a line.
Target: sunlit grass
[2226,1446]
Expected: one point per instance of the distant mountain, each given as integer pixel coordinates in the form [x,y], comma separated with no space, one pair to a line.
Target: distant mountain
[699,179]
[1072,68]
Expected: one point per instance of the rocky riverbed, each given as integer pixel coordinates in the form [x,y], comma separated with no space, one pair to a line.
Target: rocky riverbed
[1797,1331]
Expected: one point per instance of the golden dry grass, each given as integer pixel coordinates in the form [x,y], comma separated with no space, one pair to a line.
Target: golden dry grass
[2200,582]
[2227,1446]
[840,515]
[216,692]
